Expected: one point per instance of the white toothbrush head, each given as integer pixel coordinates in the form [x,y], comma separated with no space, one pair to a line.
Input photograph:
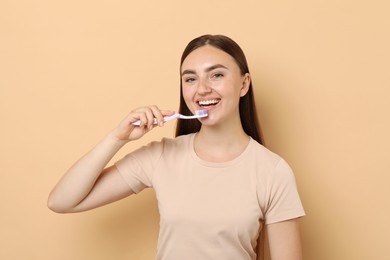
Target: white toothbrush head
[201,113]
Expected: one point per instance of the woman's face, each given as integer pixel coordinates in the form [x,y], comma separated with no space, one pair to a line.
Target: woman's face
[211,80]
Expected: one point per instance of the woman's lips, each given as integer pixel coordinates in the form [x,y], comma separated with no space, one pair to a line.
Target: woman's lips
[205,103]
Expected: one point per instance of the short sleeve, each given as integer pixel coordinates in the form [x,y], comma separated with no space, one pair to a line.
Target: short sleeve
[283,201]
[137,167]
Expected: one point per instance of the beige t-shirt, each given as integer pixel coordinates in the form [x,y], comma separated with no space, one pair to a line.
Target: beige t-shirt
[212,210]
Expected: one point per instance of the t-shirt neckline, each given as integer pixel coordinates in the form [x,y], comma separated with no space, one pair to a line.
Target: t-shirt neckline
[218,164]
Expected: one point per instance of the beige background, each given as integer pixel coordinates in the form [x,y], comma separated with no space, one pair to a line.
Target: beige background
[70,70]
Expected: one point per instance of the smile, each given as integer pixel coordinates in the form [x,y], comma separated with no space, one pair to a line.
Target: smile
[206,103]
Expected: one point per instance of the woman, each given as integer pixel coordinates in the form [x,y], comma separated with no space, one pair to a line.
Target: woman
[217,186]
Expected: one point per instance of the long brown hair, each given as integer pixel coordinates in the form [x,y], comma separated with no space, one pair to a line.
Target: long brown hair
[247,106]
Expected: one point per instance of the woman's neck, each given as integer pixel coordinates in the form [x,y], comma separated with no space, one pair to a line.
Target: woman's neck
[220,144]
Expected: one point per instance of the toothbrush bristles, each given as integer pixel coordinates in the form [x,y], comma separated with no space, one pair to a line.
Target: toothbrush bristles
[202,112]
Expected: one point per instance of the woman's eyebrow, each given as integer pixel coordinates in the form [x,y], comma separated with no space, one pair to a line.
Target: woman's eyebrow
[187,72]
[216,66]
[211,68]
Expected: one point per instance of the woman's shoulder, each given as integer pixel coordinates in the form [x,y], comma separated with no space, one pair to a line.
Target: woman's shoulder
[178,140]
[264,154]
[272,169]
[171,143]
[158,148]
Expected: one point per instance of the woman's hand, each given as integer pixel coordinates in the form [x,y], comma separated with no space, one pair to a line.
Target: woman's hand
[126,131]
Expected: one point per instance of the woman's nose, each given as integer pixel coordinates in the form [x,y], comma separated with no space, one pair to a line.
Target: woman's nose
[204,87]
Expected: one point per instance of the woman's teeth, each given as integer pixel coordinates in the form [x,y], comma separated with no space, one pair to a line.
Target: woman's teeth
[208,102]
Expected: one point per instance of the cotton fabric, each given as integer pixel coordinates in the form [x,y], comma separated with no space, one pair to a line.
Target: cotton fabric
[212,210]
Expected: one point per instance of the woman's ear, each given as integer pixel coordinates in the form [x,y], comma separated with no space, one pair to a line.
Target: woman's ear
[246,82]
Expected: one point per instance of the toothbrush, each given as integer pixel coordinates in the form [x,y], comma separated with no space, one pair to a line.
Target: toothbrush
[198,114]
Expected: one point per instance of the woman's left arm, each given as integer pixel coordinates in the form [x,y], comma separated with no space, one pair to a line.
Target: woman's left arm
[284,240]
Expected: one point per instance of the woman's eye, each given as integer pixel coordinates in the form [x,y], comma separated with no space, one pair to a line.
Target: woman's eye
[218,75]
[189,80]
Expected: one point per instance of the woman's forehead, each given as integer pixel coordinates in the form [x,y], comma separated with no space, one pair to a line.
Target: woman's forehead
[207,56]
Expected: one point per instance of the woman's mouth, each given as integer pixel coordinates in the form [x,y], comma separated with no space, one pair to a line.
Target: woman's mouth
[208,103]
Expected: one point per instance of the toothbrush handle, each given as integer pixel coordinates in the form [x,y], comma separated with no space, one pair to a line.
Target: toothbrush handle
[167,118]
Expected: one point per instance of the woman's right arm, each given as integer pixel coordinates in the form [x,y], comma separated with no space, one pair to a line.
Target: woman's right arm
[88,184]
